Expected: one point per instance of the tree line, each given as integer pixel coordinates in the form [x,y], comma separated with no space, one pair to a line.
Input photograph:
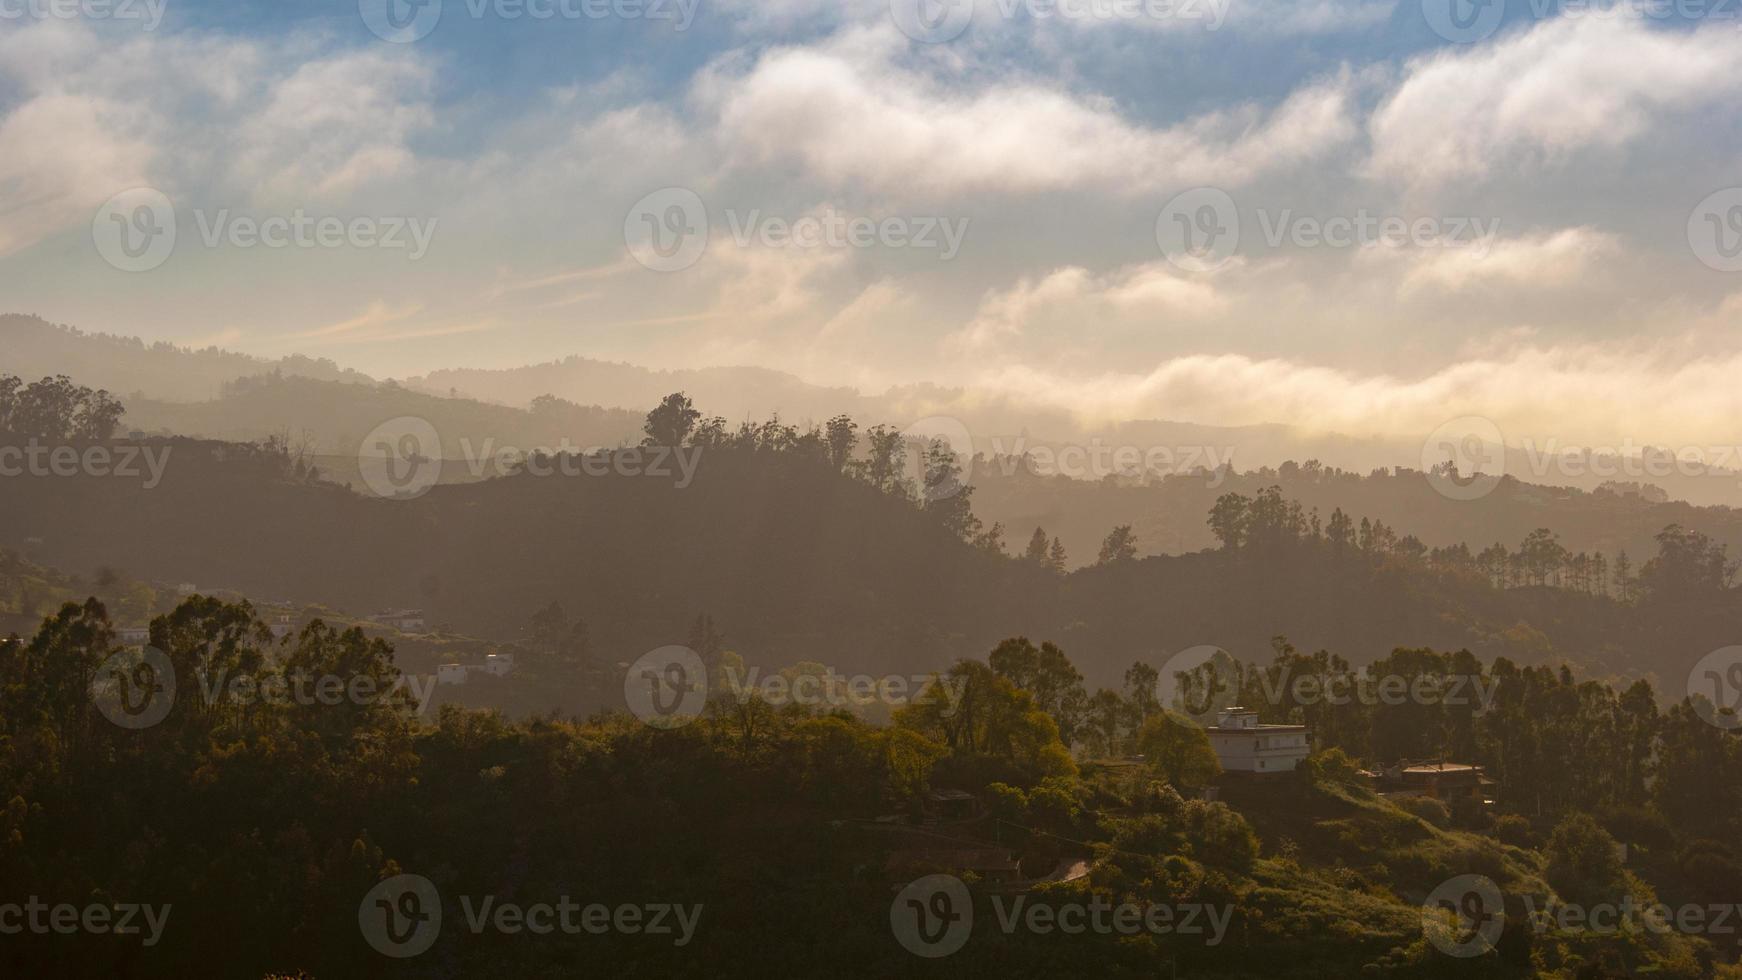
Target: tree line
[56,408]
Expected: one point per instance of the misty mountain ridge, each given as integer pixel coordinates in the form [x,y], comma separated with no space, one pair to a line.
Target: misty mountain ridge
[607,400]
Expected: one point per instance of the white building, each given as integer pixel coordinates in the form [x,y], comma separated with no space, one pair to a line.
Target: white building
[495,664]
[403,620]
[133,636]
[1243,745]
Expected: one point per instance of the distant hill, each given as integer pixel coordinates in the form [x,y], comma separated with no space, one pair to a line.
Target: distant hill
[734,392]
[797,562]
[31,347]
[152,378]
[332,418]
[1168,515]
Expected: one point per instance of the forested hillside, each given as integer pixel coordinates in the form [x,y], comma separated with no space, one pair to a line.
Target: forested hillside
[856,548]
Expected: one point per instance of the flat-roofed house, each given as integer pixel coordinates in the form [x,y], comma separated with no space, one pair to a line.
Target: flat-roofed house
[1446,781]
[1244,745]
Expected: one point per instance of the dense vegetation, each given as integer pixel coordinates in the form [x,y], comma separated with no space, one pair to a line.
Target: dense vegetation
[262,823]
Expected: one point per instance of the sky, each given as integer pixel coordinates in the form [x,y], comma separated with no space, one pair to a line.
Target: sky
[1362,217]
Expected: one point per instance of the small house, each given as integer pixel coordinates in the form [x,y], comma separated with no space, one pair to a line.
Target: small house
[989,864]
[403,620]
[1446,781]
[1243,745]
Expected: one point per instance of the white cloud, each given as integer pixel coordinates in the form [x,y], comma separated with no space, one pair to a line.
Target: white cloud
[1072,305]
[247,121]
[1550,260]
[846,114]
[1579,394]
[334,124]
[1540,98]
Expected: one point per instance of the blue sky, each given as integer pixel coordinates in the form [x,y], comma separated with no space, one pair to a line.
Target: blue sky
[1548,176]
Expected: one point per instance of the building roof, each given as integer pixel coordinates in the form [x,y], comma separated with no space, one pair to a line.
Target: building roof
[1262,729]
[954,859]
[1438,767]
